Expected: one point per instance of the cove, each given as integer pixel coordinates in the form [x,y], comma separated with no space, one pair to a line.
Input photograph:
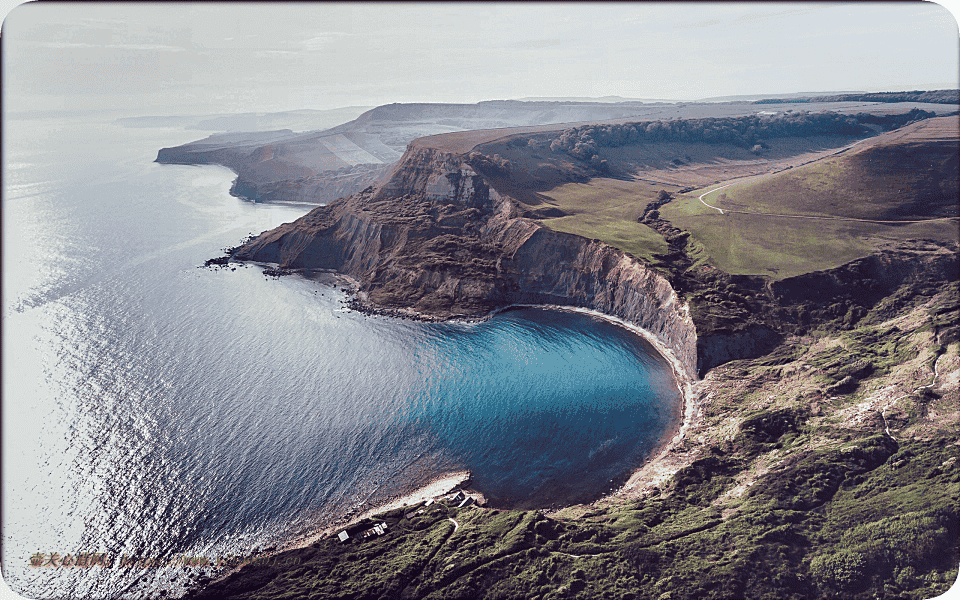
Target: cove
[154,408]
[546,407]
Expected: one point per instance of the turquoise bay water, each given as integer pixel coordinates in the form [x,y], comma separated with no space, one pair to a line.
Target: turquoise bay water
[153,408]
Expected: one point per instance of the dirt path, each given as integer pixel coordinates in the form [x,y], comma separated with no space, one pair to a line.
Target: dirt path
[456,525]
[704,202]
[811,217]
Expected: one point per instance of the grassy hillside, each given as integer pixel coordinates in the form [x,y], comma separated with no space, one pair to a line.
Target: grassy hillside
[907,175]
[608,210]
[789,487]
[779,247]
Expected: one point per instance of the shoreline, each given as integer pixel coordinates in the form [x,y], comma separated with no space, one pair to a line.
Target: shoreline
[449,482]
[439,485]
[670,439]
[650,471]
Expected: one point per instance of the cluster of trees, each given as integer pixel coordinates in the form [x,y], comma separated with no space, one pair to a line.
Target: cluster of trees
[888,122]
[748,132]
[483,163]
[933,97]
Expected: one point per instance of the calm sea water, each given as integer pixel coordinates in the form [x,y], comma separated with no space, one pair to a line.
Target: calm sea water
[152,408]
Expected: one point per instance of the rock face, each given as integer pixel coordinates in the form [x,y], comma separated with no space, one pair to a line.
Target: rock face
[315,189]
[435,237]
[831,299]
[443,234]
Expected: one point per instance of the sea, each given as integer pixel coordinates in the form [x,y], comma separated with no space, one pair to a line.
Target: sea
[156,409]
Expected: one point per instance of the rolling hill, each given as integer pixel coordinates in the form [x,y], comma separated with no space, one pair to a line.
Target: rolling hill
[817,345]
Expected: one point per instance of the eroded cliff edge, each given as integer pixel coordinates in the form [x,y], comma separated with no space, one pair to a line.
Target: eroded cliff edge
[436,239]
[438,236]
[849,416]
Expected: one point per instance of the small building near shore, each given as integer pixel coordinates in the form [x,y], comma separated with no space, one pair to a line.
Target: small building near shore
[343,536]
[378,529]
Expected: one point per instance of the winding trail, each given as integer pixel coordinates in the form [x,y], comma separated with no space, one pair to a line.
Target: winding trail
[811,217]
[456,525]
[704,202]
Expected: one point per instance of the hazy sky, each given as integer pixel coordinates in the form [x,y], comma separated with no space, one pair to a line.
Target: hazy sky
[182,58]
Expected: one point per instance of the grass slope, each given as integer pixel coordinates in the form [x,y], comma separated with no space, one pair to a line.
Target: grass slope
[743,244]
[607,210]
[909,176]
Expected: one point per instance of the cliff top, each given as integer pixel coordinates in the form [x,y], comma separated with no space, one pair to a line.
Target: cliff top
[461,142]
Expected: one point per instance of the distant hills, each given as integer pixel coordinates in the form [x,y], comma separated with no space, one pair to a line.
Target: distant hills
[604,99]
[321,155]
[503,113]
[752,97]
[295,120]
[946,96]
[932,97]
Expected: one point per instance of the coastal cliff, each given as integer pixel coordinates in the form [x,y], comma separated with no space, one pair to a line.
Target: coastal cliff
[443,235]
[440,237]
[282,166]
[827,398]
[436,239]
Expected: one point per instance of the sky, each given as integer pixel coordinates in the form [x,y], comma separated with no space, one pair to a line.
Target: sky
[184,58]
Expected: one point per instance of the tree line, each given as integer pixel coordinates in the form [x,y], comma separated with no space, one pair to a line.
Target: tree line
[932,97]
[749,131]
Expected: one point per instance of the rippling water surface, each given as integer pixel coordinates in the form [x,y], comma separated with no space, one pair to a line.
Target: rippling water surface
[152,408]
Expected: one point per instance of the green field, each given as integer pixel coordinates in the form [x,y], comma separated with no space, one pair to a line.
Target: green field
[755,244]
[778,246]
[743,244]
[607,210]
[828,188]
[866,186]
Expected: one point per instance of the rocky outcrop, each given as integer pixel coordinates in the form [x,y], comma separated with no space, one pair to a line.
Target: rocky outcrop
[440,236]
[873,277]
[437,239]
[747,316]
[316,189]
